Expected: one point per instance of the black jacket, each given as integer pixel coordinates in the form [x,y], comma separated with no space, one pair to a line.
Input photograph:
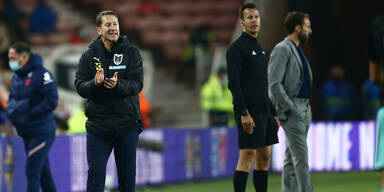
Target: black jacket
[247,76]
[111,112]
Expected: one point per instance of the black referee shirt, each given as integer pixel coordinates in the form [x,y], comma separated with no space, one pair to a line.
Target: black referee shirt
[247,75]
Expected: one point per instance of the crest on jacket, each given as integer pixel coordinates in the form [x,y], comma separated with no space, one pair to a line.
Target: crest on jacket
[117,59]
[47,78]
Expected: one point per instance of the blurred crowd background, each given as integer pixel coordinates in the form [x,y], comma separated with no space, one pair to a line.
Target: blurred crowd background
[183,44]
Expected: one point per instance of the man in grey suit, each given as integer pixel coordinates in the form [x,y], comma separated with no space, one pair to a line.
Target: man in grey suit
[290,82]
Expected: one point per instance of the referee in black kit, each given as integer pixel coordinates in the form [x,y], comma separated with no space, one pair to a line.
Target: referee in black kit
[256,118]
[110,76]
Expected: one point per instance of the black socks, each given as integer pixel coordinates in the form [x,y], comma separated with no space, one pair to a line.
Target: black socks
[240,181]
[260,180]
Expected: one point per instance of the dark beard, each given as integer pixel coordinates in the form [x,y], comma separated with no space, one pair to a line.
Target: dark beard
[303,38]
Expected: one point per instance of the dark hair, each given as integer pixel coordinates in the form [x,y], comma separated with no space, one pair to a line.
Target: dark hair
[293,19]
[246,6]
[101,14]
[21,47]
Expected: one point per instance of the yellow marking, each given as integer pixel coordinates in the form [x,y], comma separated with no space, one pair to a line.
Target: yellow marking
[98,66]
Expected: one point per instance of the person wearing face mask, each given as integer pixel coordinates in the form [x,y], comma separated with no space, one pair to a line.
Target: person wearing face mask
[256,118]
[110,77]
[216,100]
[32,100]
[338,99]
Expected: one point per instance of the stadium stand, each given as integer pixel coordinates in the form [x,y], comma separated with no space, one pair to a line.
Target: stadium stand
[163,27]
[169,24]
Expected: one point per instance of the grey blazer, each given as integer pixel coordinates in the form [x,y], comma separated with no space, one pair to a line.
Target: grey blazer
[285,76]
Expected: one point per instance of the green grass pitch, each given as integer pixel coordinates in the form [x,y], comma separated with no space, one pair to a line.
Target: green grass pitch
[322,182]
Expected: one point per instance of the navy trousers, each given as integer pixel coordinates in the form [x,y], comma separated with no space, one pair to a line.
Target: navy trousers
[37,169]
[98,152]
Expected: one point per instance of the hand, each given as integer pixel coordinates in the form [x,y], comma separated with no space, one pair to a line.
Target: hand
[111,82]
[99,77]
[247,123]
[277,122]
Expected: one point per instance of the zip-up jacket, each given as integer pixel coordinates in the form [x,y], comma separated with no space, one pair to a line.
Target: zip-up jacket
[111,112]
[32,99]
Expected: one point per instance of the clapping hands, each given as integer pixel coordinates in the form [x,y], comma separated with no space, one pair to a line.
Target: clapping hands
[107,82]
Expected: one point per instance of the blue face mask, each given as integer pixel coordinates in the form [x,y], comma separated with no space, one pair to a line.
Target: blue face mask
[14,65]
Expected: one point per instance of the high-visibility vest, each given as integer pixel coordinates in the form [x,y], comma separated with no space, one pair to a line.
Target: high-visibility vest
[215,97]
[76,124]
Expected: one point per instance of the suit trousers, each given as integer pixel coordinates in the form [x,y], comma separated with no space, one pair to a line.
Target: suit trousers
[296,169]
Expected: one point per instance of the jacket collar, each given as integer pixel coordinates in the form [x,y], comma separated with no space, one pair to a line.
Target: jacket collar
[98,44]
[34,61]
[247,36]
[291,45]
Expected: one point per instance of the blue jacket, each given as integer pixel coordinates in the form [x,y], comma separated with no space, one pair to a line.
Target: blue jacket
[32,99]
[370,99]
[338,101]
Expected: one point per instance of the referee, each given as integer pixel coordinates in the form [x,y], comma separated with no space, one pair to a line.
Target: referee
[256,118]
